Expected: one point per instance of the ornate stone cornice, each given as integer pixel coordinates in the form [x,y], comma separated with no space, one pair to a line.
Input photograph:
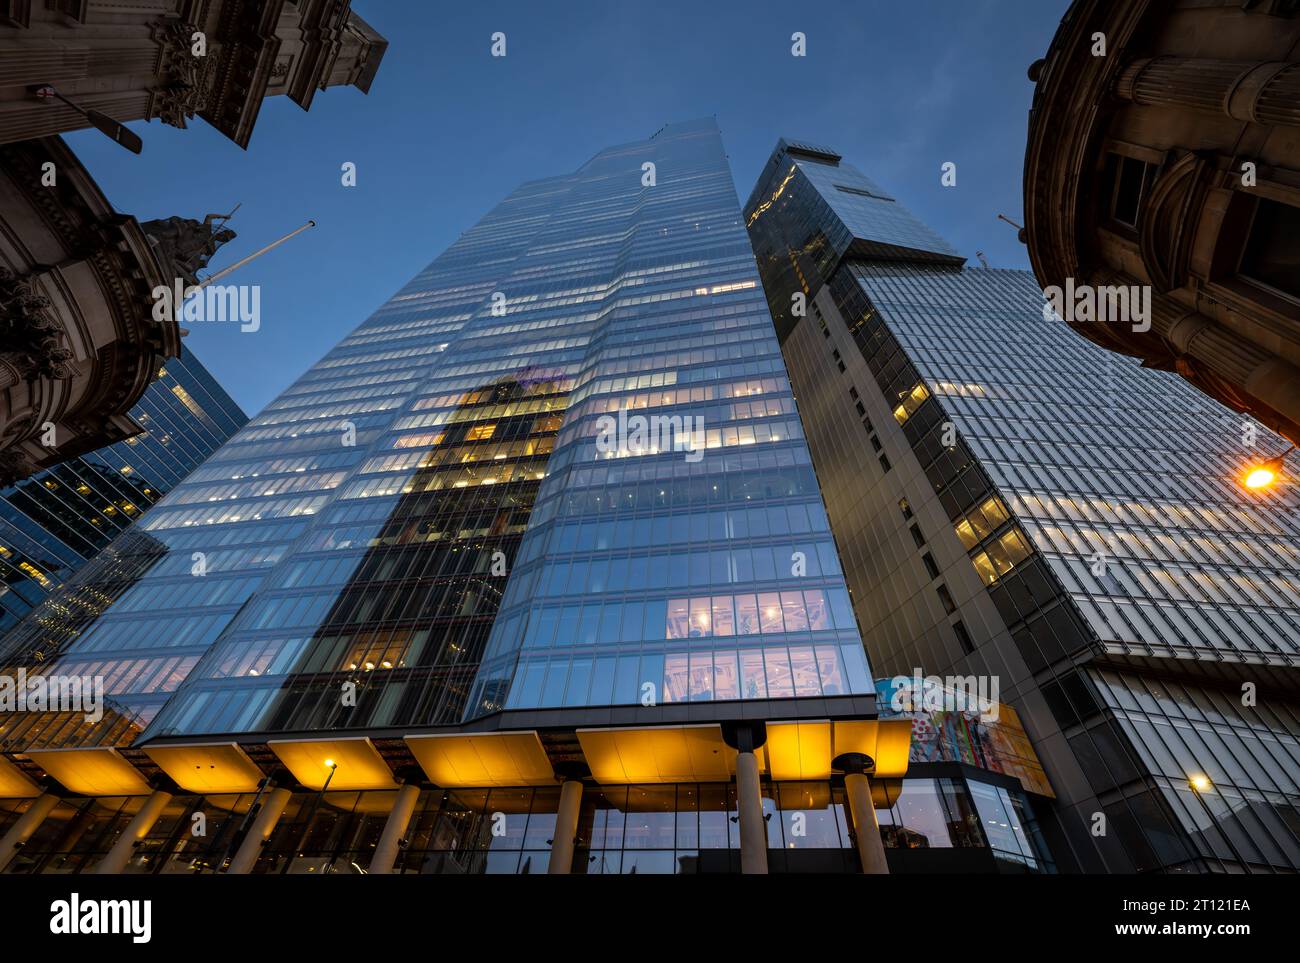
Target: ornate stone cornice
[322,32]
[246,34]
[186,80]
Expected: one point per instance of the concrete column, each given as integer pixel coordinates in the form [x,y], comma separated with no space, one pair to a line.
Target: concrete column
[263,825]
[866,828]
[566,828]
[136,830]
[399,817]
[27,823]
[749,807]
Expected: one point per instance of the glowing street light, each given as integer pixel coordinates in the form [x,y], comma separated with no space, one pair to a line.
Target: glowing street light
[1199,782]
[1265,473]
[1261,476]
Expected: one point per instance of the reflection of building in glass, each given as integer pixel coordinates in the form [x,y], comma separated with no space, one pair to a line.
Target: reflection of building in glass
[416,595]
[1012,501]
[59,638]
[51,523]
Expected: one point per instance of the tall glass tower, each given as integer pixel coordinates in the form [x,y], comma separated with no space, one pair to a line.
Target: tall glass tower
[548,514]
[1015,503]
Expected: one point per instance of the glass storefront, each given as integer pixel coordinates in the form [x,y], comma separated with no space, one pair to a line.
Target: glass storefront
[658,828]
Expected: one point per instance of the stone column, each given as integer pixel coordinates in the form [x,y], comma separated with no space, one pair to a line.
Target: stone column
[263,825]
[1265,93]
[566,827]
[399,817]
[749,807]
[27,823]
[746,738]
[124,848]
[866,828]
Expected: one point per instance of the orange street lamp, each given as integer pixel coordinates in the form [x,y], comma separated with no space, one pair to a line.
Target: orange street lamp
[1264,474]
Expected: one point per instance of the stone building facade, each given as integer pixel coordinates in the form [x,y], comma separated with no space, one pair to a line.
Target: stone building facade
[1164,151]
[136,61]
[79,338]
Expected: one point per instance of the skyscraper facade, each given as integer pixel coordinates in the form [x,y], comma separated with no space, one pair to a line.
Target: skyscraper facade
[531,572]
[1016,504]
[55,521]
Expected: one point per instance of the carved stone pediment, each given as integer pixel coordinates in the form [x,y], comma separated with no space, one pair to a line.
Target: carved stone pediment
[186,81]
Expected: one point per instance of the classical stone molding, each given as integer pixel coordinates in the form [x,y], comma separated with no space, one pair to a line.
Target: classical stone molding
[185,80]
[78,341]
[1258,93]
[1168,219]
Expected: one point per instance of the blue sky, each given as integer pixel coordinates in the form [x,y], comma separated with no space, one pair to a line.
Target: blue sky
[448,130]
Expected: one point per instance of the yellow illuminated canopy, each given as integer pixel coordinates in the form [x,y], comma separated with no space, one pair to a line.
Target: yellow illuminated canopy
[798,750]
[92,772]
[804,750]
[662,754]
[13,784]
[887,741]
[454,760]
[209,768]
[356,763]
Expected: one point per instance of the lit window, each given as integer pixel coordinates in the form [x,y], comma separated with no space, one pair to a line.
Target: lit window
[911,401]
[187,400]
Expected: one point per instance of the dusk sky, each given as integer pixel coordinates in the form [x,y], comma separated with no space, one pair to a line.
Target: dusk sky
[448,130]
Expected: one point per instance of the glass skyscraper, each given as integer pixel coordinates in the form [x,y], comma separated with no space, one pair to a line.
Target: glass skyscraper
[53,522]
[540,539]
[1012,502]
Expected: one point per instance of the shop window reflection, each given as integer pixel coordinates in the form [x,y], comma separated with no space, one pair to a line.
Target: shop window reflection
[963,820]
[1001,823]
[651,817]
[810,818]
[656,828]
[928,814]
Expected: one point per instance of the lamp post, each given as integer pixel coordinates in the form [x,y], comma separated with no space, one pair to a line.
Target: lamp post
[101,122]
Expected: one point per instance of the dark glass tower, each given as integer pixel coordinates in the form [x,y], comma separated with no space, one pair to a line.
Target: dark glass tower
[53,522]
[1012,502]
